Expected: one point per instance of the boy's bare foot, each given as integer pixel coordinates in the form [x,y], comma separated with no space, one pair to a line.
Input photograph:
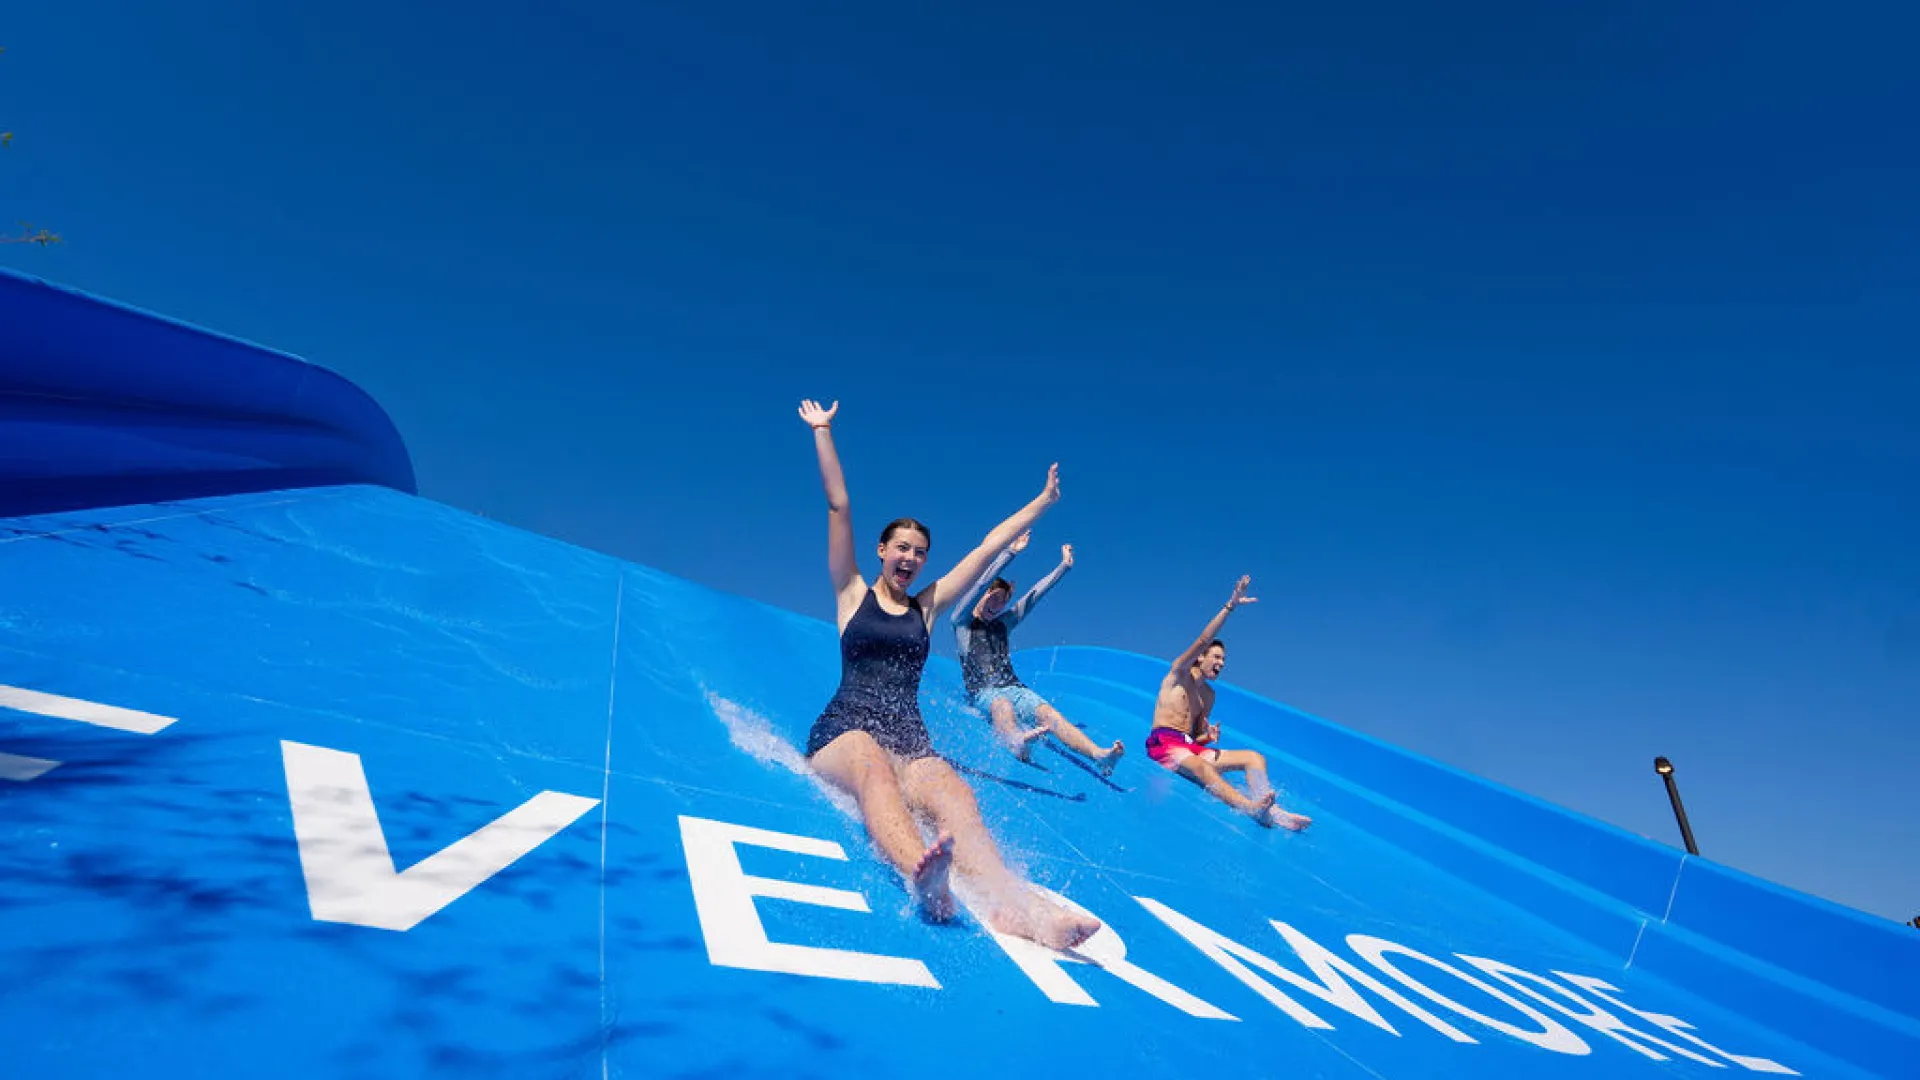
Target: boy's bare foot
[1288,820]
[1112,757]
[1022,745]
[930,880]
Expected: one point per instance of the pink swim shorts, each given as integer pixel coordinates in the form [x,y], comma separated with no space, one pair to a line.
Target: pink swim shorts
[1169,747]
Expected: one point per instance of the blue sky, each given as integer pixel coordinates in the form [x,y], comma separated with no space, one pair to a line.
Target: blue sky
[1552,371]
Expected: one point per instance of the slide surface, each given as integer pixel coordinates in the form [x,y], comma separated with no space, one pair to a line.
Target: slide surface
[329,780]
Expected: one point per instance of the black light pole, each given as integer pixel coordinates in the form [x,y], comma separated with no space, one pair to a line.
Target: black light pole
[1665,769]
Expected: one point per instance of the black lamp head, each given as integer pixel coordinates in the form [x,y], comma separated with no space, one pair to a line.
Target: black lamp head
[1663,766]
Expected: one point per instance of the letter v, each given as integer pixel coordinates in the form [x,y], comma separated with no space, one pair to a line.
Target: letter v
[343,852]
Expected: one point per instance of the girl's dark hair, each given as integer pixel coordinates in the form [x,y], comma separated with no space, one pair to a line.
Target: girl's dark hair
[897,524]
[1001,583]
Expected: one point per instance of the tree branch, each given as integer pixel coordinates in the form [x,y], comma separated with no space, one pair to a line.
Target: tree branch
[28,234]
[31,235]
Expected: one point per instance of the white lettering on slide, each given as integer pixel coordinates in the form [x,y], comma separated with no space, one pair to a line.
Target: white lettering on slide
[21,768]
[723,896]
[85,712]
[1552,1035]
[350,873]
[1333,973]
[1673,1025]
[1575,1007]
[1104,950]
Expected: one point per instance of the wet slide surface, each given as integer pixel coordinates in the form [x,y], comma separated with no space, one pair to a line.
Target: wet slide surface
[341,782]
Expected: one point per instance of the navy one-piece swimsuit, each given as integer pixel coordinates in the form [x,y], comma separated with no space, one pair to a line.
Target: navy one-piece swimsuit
[881,656]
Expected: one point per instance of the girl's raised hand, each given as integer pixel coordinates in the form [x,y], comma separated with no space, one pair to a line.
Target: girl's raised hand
[817,417]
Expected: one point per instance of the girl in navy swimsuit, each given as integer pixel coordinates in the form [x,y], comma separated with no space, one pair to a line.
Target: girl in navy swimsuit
[870,740]
[880,660]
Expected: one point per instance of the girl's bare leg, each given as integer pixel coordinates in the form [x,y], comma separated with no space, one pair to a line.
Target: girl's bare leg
[931,785]
[857,764]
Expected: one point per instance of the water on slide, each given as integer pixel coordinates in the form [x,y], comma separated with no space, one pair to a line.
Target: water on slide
[350,783]
[302,775]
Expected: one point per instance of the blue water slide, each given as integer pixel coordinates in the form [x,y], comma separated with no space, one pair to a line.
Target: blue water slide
[304,775]
[103,405]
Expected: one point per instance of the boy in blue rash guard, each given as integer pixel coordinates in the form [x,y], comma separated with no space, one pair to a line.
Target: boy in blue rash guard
[980,630]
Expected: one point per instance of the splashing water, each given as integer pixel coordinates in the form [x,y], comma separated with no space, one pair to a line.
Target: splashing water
[754,734]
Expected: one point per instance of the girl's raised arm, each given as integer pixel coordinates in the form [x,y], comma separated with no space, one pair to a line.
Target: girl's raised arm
[942,594]
[843,565]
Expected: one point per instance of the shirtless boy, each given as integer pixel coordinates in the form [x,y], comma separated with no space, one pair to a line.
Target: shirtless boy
[1182,738]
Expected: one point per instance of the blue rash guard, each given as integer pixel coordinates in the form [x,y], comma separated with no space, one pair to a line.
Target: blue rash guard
[986,660]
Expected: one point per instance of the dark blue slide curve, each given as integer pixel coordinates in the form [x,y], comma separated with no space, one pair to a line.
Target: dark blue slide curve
[302,775]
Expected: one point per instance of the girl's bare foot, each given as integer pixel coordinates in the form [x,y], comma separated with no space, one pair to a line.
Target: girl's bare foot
[1262,809]
[1112,757]
[930,880]
[1044,923]
[1067,929]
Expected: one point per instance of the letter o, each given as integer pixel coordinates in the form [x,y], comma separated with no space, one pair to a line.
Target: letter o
[1552,1034]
